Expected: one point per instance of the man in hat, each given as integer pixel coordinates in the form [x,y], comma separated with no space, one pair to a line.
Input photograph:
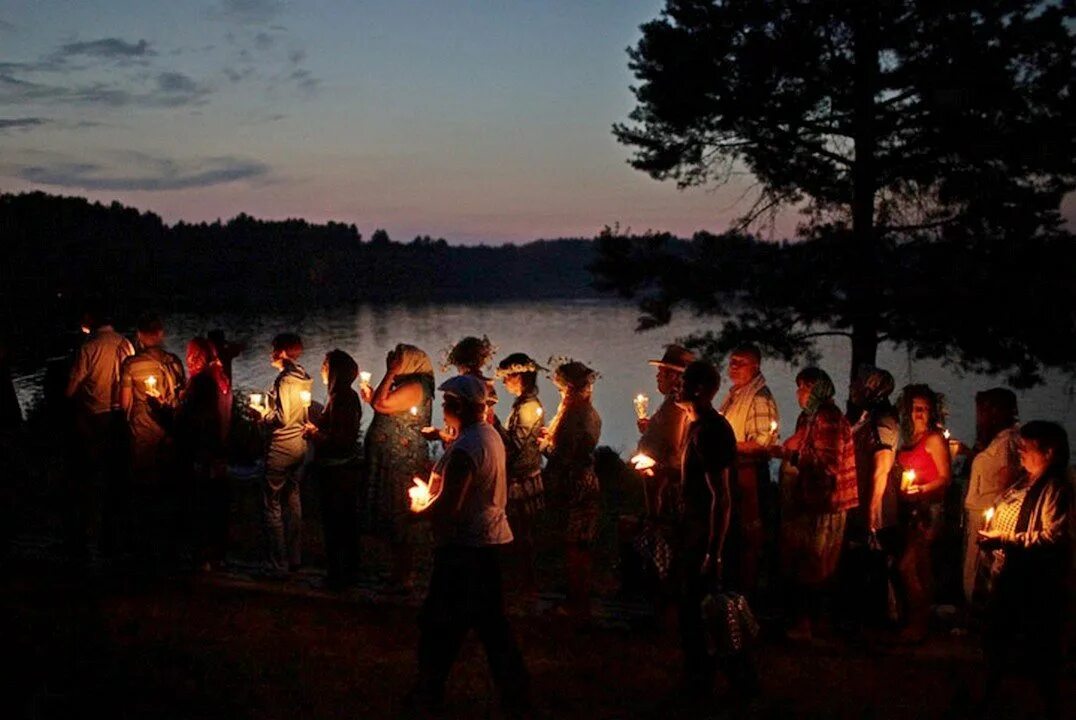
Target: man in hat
[663,433]
[467,514]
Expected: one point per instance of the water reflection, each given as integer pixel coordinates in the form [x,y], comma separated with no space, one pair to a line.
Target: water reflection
[600,333]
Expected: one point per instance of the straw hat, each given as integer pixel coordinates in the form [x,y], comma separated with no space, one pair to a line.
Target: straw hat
[676,357]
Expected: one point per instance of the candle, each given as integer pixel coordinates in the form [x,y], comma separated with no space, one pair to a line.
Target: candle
[643,462]
[988,515]
[419,494]
[642,406]
[306,398]
[364,377]
[151,382]
[413,411]
[255,399]
[773,430]
[907,479]
[946,434]
[538,412]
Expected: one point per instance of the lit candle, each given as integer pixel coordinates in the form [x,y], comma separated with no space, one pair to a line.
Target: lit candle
[907,479]
[151,383]
[643,462]
[419,494]
[988,515]
[946,434]
[642,406]
[364,377]
[256,399]
[538,412]
[773,430]
[306,398]
[413,411]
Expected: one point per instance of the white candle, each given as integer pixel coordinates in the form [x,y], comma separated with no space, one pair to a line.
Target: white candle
[151,382]
[255,399]
[907,479]
[538,412]
[642,406]
[306,398]
[988,515]
[413,411]
[364,377]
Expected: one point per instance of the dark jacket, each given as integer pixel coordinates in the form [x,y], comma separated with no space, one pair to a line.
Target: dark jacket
[337,436]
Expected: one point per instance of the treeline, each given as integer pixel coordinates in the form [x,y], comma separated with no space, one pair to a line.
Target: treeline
[59,250]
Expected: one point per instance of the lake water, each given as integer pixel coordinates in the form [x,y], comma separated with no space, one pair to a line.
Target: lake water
[599,333]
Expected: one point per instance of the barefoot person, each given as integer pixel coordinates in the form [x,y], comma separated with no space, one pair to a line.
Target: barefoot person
[467,513]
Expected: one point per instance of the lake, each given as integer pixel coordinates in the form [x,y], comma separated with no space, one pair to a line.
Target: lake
[600,333]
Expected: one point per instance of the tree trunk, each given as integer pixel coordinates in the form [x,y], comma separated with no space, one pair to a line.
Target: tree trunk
[863,285]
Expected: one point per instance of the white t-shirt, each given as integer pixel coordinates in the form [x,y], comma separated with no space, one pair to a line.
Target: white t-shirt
[482,520]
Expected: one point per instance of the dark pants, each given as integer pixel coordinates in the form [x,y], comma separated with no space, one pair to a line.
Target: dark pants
[212,495]
[339,487]
[465,592]
[283,511]
[97,477]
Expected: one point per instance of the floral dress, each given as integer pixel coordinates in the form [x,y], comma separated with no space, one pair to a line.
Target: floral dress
[569,474]
[395,453]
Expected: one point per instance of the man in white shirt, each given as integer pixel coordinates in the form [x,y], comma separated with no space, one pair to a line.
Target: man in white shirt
[993,469]
[469,491]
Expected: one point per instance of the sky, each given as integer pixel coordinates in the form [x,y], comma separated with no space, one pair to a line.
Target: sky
[480,121]
[474,121]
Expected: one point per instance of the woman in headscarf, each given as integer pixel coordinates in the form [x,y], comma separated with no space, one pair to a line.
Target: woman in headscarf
[336,466]
[203,423]
[818,487]
[922,471]
[525,490]
[1027,549]
[396,452]
[569,445]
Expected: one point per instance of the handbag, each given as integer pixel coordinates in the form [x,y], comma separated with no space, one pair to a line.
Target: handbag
[730,626]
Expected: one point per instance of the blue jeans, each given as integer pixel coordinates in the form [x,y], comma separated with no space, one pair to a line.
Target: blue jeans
[283,512]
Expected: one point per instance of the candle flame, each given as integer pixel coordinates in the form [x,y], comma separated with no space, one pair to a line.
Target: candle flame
[255,398]
[306,397]
[640,398]
[773,426]
[151,382]
[988,514]
[946,433]
[414,411]
[907,479]
[643,462]
[364,377]
[538,412]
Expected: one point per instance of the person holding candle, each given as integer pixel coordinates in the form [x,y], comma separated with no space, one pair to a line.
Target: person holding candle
[285,414]
[569,444]
[203,423]
[467,514]
[819,487]
[750,409]
[663,433]
[396,452]
[993,469]
[151,374]
[924,452]
[526,493]
[336,466]
[1027,548]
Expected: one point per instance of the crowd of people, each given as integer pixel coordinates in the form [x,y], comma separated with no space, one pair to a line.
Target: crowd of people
[847,530]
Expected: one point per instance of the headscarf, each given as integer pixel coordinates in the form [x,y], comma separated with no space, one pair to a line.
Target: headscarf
[413,361]
[342,370]
[822,392]
[872,385]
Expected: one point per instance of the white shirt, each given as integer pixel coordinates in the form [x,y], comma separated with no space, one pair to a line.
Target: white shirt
[482,520]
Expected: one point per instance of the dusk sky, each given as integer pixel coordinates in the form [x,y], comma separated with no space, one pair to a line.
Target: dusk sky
[476,121]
